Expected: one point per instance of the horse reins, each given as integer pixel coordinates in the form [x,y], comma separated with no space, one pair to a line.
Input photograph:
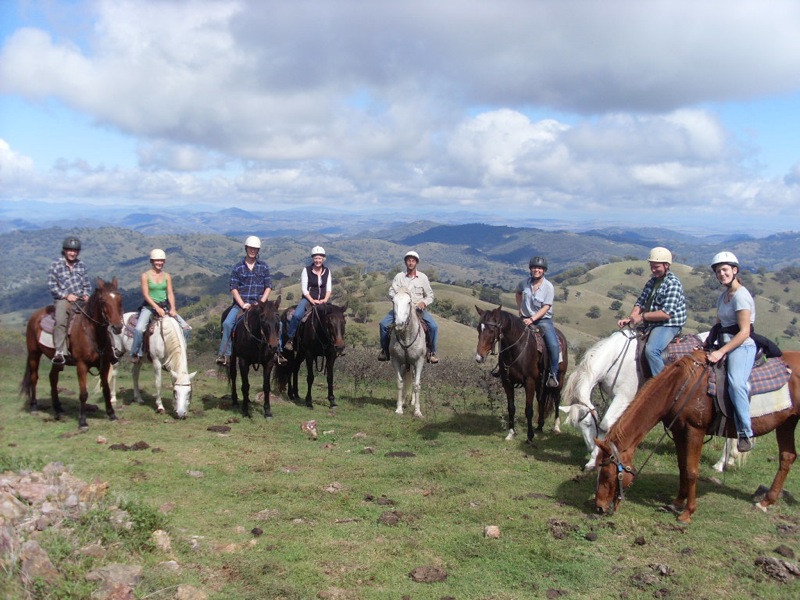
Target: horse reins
[617,361]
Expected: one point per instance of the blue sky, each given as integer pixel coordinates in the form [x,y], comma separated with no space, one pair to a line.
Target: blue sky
[675,113]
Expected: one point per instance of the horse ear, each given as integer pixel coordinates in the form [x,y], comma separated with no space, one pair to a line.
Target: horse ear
[480,312]
[114,283]
[344,308]
[100,284]
[603,446]
[277,303]
[500,307]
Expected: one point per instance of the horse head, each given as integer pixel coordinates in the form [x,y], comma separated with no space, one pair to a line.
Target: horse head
[614,475]
[269,323]
[182,392]
[110,304]
[403,309]
[489,328]
[335,323]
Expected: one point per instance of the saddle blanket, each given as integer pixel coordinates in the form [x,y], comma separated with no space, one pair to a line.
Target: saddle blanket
[541,348]
[681,346]
[48,324]
[771,375]
[130,325]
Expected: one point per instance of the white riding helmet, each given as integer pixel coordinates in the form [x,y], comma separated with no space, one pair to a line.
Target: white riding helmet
[726,258]
[253,241]
[412,254]
[157,254]
[317,250]
[660,254]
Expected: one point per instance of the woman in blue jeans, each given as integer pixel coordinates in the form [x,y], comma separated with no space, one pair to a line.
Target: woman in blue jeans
[736,313]
[534,298]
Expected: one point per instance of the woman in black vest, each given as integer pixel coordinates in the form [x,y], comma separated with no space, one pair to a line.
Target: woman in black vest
[316,286]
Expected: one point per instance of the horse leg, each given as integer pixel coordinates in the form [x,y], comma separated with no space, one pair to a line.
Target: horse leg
[83,395]
[244,369]
[529,397]
[416,387]
[295,366]
[137,391]
[400,371]
[31,378]
[329,372]
[309,380]
[232,381]
[54,399]
[689,463]
[104,377]
[509,389]
[157,374]
[730,453]
[265,387]
[787,453]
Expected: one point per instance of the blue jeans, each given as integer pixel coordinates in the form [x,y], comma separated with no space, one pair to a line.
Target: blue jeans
[388,320]
[659,339]
[227,329]
[302,306]
[145,314]
[551,341]
[740,363]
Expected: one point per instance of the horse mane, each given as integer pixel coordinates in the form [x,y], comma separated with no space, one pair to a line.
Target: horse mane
[597,360]
[651,403]
[514,323]
[174,345]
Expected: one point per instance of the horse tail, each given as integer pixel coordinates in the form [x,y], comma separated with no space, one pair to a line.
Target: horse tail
[25,386]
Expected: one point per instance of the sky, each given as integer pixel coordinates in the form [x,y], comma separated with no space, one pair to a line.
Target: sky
[674,113]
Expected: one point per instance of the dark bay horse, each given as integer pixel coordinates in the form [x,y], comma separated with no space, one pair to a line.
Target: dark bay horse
[321,335]
[679,398]
[90,346]
[254,342]
[520,364]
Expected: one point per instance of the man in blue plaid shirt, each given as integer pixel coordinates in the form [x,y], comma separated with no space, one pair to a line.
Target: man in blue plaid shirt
[661,308]
[68,282]
[250,284]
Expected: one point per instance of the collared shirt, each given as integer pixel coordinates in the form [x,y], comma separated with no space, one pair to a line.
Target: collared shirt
[250,284]
[727,309]
[63,281]
[667,297]
[419,288]
[532,302]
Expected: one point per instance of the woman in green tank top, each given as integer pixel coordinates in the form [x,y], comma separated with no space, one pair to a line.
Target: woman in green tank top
[158,298]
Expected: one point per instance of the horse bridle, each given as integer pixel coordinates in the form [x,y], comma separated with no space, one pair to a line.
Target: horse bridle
[629,337]
[615,459]
[497,336]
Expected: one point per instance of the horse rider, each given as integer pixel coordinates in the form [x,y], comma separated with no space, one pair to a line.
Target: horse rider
[159,298]
[736,315]
[660,308]
[316,286]
[250,283]
[419,287]
[68,282]
[535,305]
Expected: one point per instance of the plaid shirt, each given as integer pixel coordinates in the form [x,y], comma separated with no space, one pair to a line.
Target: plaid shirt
[250,284]
[669,298]
[63,281]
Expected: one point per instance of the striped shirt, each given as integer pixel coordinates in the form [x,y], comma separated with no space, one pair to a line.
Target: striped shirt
[668,297]
[250,284]
[63,281]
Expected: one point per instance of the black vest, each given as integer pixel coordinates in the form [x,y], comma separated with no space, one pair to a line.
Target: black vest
[317,287]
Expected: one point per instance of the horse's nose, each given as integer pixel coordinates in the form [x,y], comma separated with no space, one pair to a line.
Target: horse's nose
[479,358]
[117,329]
[339,349]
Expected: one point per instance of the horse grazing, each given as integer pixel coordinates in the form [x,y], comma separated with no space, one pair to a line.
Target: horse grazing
[254,342]
[522,364]
[679,398]
[90,345]
[407,350]
[321,335]
[611,365]
[168,350]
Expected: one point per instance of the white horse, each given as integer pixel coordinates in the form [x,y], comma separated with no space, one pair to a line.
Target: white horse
[167,350]
[407,351]
[611,364]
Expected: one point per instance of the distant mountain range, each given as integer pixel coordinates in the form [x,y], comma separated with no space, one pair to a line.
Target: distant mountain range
[207,243]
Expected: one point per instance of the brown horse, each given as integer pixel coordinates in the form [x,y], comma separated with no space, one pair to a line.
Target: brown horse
[254,342]
[521,364]
[678,398]
[90,345]
[321,335]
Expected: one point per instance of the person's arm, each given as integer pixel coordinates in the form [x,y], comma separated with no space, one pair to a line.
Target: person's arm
[173,310]
[539,313]
[267,284]
[427,294]
[743,320]
[328,288]
[518,298]
[85,283]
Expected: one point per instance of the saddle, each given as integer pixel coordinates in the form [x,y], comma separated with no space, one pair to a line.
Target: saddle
[769,391]
[541,348]
[678,347]
[130,327]
[48,325]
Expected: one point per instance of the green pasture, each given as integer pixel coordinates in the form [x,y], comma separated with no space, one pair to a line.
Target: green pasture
[353,513]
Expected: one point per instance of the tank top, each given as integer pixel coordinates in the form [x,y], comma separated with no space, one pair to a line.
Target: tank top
[158,291]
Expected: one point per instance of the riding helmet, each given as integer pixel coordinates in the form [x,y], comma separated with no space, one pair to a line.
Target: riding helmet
[317,251]
[71,243]
[661,255]
[538,261]
[724,258]
[253,242]
[157,254]
[412,254]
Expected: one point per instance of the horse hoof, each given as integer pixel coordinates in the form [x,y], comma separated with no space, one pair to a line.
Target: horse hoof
[83,428]
[112,417]
[333,403]
[310,405]
[161,411]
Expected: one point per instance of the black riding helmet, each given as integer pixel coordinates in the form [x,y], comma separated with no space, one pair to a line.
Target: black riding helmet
[71,243]
[538,261]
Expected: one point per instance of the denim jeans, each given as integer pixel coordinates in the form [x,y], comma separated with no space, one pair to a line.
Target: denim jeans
[740,363]
[551,341]
[302,306]
[145,314]
[227,329]
[387,321]
[659,339]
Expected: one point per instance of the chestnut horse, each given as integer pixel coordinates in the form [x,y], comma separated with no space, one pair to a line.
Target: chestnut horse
[520,363]
[90,345]
[679,398]
[321,335]
[254,342]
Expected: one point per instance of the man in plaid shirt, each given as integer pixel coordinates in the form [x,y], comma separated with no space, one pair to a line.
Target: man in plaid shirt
[661,308]
[250,283]
[68,282]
